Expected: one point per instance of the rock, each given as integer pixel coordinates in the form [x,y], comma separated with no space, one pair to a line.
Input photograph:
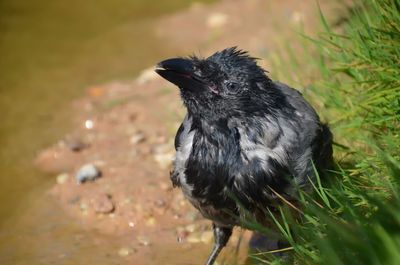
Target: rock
[144,240]
[126,251]
[75,144]
[182,234]
[88,172]
[102,204]
[62,178]
[89,124]
[83,206]
[297,17]
[137,138]
[217,20]
[151,221]
[161,203]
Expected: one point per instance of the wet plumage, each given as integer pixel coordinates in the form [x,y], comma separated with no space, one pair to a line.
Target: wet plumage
[244,139]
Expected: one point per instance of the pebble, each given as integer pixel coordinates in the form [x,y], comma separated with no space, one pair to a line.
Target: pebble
[151,221]
[102,204]
[137,138]
[217,20]
[144,240]
[161,203]
[89,124]
[62,178]
[182,235]
[88,172]
[75,144]
[297,17]
[83,206]
[125,251]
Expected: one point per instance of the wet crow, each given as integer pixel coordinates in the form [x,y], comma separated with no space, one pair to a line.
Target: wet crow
[246,141]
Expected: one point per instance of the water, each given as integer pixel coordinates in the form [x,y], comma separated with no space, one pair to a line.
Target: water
[50,50]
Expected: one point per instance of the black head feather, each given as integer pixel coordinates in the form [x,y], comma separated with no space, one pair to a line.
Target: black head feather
[233,83]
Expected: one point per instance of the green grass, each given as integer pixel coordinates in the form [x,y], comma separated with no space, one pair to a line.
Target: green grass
[353,78]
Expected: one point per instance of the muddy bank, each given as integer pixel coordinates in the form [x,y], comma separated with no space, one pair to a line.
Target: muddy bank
[125,129]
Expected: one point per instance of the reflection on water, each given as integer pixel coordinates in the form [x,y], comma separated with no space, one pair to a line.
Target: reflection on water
[49,51]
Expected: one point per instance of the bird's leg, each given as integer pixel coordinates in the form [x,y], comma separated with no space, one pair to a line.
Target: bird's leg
[221,237]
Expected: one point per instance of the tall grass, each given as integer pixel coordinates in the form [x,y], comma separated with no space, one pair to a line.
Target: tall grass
[354,80]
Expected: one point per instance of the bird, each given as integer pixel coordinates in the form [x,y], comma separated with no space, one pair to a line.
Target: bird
[246,141]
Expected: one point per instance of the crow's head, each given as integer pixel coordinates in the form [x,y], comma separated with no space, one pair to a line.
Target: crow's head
[224,84]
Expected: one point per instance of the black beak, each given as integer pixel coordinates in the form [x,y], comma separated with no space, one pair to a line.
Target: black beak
[180,72]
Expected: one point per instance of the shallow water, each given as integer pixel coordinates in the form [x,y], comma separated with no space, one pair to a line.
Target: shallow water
[50,50]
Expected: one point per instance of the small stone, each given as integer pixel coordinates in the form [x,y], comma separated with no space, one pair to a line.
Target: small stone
[75,144]
[103,204]
[126,201]
[62,178]
[88,172]
[161,203]
[125,251]
[143,240]
[137,138]
[217,20]
[297,17]
[182,235]
[89,124]
[83,206]
[151,221]
[177,216]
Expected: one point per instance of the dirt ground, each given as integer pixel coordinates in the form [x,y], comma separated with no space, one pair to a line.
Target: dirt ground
[126,129]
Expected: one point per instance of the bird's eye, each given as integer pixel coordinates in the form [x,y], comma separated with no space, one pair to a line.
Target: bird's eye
[232,86]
